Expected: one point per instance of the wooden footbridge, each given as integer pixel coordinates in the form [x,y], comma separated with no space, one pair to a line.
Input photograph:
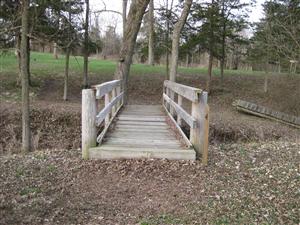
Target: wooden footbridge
[144,131]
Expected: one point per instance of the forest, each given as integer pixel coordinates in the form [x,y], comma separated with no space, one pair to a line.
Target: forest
[149,112]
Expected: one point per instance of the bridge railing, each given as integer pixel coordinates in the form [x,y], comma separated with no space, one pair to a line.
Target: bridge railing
[91,119]
[197,120]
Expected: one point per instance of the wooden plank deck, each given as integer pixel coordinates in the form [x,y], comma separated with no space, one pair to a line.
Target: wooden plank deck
[141,131]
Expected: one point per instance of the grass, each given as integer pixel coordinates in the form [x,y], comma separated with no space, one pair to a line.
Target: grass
[44,64]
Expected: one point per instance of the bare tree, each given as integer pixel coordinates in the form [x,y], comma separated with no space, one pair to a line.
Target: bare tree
[86,45]
[26,137]
[132,27]
[151,34]
[124,15]
[175,39]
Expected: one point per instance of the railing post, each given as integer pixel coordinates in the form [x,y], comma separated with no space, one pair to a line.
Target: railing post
[172,96]
[88,121]
[179,120]
[199,135]
[106,102]
[113,95]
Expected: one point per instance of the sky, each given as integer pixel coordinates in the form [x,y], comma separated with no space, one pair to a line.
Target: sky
[106,19]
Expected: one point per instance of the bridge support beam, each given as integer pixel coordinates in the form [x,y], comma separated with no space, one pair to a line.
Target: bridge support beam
[88,121]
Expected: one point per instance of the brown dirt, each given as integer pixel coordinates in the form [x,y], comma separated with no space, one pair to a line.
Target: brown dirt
[252,176]
[243,184]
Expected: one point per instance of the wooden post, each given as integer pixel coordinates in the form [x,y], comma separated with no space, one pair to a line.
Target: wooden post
[106,102]
[88,121]
[172,96]
[179,120]
[199,135]
[113,95]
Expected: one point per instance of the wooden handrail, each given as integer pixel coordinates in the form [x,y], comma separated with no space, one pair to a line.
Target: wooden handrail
[104,88]
[111,91]
[187,92]
[107,109]
[181,112]
[198,120]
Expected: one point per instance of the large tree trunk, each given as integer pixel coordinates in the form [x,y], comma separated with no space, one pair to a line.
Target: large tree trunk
[151,34]
[133,24]
[26,137]
[124,15]
[66,74]
[175,39]
[86,46]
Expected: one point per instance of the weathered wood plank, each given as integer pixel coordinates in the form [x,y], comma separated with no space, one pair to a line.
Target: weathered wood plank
[186,140]
[104,88]
[142,123]
[142,118]
[268,113]
[187,92]
[103,113]
[88,132]
[181,112]
[120,152]
[199,135]
[105,130]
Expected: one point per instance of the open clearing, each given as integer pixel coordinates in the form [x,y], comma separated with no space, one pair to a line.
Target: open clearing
[253,174]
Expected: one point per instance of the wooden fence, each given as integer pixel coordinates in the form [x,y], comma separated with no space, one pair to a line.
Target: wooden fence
[198,120]
[113,101]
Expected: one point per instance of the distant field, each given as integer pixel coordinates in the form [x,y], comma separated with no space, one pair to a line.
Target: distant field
[43,64]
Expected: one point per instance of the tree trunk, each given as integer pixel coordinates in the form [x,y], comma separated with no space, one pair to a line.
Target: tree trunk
[223,43]
[26,137]
[86,46]
[210,62]
[187,60]
[124,15]
[266,78]
[133,24]
[211,45]
[66,74]
[175,39]
[55,51]
[167,39]
[151,34]
[18,54]
[28,61]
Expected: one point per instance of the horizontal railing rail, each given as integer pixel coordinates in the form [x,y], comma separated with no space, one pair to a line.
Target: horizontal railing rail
[197,120]
[91,119]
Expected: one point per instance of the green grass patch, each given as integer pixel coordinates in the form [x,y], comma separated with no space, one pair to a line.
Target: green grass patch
[45,65]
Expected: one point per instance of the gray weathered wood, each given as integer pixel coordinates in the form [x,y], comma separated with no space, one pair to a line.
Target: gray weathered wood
[124,152]
[102,134]
[89,132]
[113,95]
[179,120]
[106,103]
[186,140]
[187,92]
[265,112]
[104,88]
[199,135]
[103,113]
[181,112]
